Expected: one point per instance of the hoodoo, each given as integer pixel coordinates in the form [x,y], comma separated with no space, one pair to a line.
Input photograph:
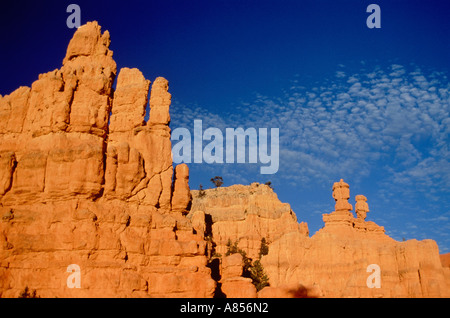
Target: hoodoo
[77,190]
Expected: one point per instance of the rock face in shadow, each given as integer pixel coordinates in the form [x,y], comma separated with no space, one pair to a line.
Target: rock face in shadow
[85,180]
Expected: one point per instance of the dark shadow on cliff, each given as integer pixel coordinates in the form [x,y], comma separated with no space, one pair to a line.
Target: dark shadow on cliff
[302,292]
[292,291]
[214,265]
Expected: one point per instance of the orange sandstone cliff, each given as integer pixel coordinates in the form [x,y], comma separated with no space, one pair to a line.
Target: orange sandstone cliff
[337,261]
[245,214]
[81,186]
[87,183]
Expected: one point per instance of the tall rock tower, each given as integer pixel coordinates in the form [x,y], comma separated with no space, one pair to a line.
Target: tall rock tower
[86,183]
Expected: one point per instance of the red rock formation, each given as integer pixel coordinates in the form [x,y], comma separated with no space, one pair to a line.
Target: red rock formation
[75,190]
[181,193]
[332,263]
[361,207]
[337,259]
[233,285]
[86,183]
[445,260]
[245,214]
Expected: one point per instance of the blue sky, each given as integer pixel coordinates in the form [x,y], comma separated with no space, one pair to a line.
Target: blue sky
[370,106]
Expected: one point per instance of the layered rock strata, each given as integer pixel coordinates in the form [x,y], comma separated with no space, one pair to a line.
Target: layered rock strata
[351,257]
[85,180]
[245,214]
[232,282]
[337,261]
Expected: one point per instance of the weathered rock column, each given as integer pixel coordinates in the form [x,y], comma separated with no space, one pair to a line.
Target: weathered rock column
[361,207]
[341,216]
